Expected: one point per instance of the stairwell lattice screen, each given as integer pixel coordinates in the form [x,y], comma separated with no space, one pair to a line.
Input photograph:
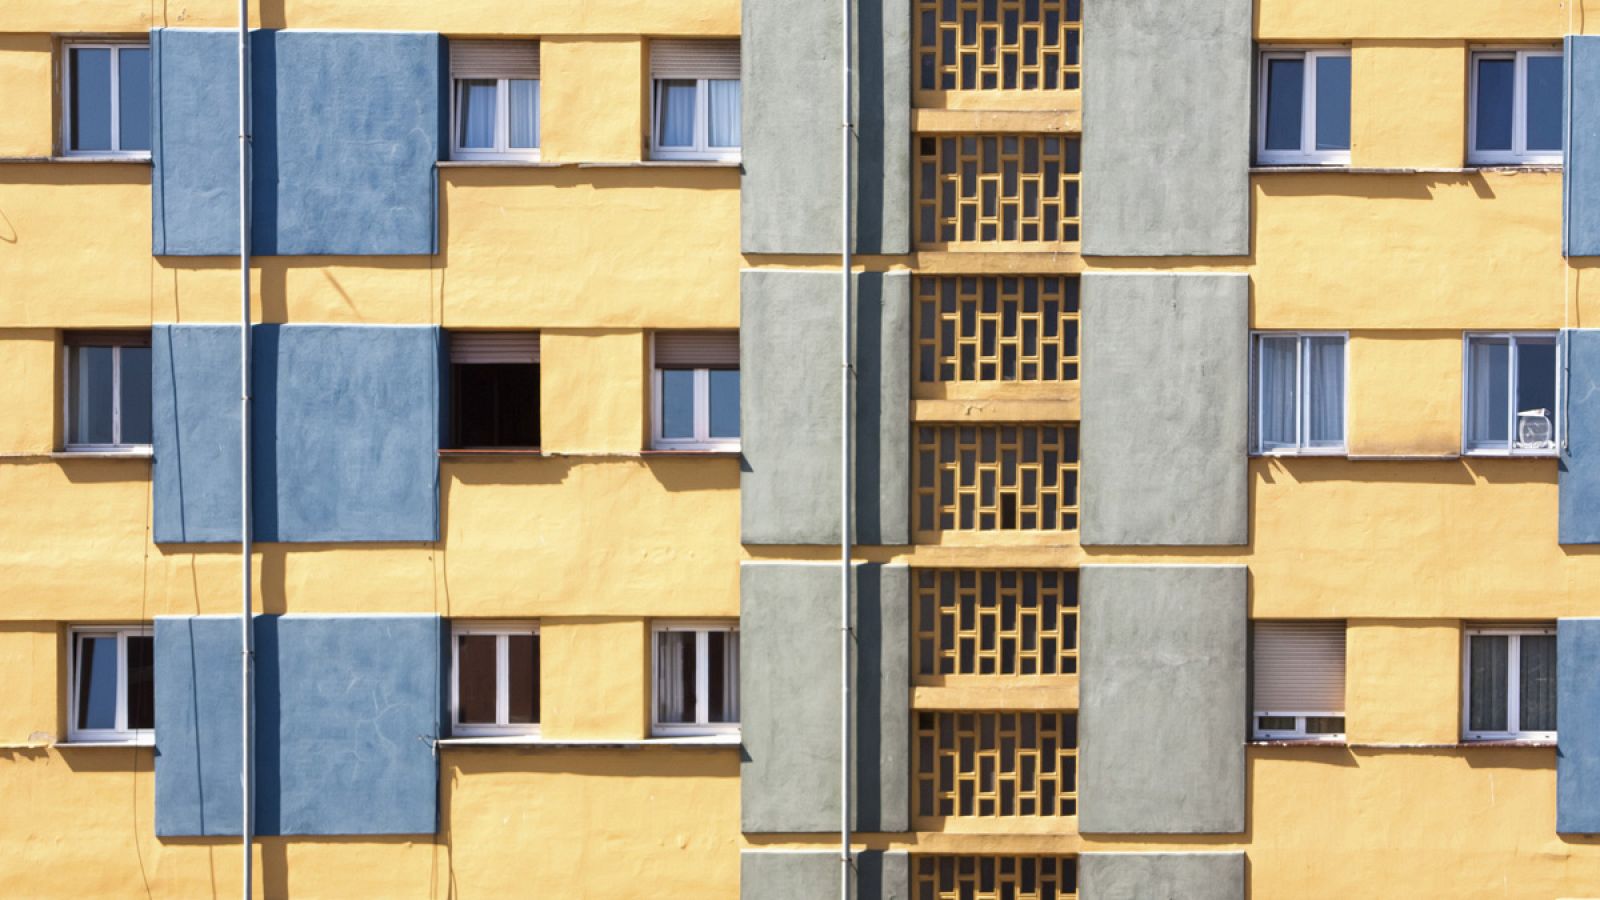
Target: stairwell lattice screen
[996,478]
[997,328]
[995,622]
[1000,191]
[970,45]
[941,877]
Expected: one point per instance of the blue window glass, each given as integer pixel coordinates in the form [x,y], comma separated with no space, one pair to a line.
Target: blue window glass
[1333,102]
[1544,103]
[677,404]
[1285,97]
[90,98]
[133,98]
[724,403]
[97,682]
[135,395]
[1494,103]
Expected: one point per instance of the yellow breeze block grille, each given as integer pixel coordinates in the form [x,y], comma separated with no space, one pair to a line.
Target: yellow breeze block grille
[997,764]
[985,45]
[996,622]
[995,877]
[1008,189]
[997,328]
[997,478]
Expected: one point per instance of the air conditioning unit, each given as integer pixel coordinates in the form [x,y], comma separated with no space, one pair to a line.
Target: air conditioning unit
[1535,430]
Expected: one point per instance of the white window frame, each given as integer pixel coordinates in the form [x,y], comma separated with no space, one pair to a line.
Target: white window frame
[700,726]
[1308,111]
[1559,423]
[502,697]
[1302,409]
[1299,732]
[121,734]
[702,439]
[502,123]
[1518,155]
[116,48]
[116,401]
[1513,687]
[702,149]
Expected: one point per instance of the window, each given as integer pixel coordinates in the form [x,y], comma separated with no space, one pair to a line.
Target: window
[695,111]
[106,100]
[697,391]
[107,389]
[1299,393]
[1305,108]
[697,679]
[494,683]
[1510,684]
[1299,680]
[1512,395]
[112,695]
[494,390]
[496,99]
[1516,107]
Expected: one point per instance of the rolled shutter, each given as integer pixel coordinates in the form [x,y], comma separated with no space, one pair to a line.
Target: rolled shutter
[107,338]
[697,350]
[483,348]
[494,59]
[1299,667]
[694,59]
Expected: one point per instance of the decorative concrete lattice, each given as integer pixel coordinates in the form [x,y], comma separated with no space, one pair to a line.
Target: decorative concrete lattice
[990,764]
[995,877]
[996,622]
[997,478]
[1005,328]
[997,189]
[968,45]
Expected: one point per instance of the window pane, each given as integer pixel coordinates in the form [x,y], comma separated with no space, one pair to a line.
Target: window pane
[1488,383]
[1333,103]
[677,403]
[475,679]
[675,677]
[1278,406]
[1496,82]
[1544,103]
[722,106]
[141,682]
[524,114]
[495,404]
[676,127]
[1537,702]
[1275,723]
[1486,707]
[90,403]
[1536,393]
[91,99]
[135,397]
[523,663]
[97,681]
[1285,95]
[475,112]
[1325,725]
[1325,391]
[722,673]
[724,403]
[133,95]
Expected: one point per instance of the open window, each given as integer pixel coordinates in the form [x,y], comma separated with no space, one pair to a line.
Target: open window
[695,100]
[495,98]
[1513,395]
[1299,681]
[696,404]
[106,385]
[494,390]
[494,680]
[112,685]
[697,679]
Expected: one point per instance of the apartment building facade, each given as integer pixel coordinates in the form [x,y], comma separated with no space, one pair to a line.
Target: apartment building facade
[1223,464]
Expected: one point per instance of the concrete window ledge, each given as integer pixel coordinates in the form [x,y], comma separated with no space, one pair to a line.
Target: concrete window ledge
[518,453]
[665,164]
[538,743]
[1307,743]
[498,164]
[78,160]
[145,454]
[692,454]
[1360,170]
[102,745]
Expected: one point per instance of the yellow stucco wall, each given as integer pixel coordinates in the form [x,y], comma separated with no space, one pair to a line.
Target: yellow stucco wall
[26,69]
[1497,20]
[1427,131]
[611,420]
[592,102]
[1404,393]
[1403,681]
[594,678]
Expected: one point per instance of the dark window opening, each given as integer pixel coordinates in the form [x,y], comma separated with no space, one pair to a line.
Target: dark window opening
[494,405]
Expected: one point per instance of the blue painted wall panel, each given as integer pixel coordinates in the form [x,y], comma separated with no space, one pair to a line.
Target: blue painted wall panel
[195,413]
[1579,474]
[1580,180]
[1578,726]
[194,184]
[197,725]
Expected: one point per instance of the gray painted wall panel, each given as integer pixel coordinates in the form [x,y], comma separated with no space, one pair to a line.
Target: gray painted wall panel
[789,697]
[789,195]
[1166,136]
[1161,876]
[814,874]
[1162,719]
[789,407]
[1166,394]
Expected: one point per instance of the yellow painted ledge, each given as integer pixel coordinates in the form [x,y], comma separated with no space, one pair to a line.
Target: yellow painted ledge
[965,411]
[981,692]
[990,121]
[1069,102]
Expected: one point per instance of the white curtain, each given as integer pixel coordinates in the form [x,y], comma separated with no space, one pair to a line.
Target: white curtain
[524,113]
[1489,378]
[475,112]
[675,677]
[722,105]
[1537,700]
[1277,401]
[1486,707]
[1325,391]
[676,99]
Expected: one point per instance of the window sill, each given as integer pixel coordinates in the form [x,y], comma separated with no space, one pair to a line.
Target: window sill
[77,160]
[666,164]
[536,742]
[1340,453]
[491,453]
[104,745]
[1502,454]
[725,453]
[144,453]
[497,164]
[1297,742]
[1506,744]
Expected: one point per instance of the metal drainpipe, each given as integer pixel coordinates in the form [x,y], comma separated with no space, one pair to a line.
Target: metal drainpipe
[246,631]
[844,461]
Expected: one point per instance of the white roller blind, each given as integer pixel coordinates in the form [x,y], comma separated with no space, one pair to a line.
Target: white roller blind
[1299,667]
[494,59]
[694,59]
[484,348]
[697,349]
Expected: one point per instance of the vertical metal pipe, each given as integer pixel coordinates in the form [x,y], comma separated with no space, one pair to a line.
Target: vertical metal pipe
[246,629]
[845,430]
